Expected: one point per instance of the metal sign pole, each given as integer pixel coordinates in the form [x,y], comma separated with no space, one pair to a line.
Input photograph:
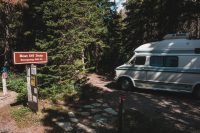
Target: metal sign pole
[28,72]
[32,87]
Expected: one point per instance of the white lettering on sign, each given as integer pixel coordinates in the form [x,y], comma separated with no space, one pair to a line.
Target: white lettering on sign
[31,55]
[38,55]
[23,56]
[27,59]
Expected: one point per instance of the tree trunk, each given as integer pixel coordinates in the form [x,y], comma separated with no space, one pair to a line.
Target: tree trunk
[198,27]
[83,59]
[7,47]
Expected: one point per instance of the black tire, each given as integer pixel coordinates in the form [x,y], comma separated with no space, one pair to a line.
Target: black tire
[125,84]
[196,92]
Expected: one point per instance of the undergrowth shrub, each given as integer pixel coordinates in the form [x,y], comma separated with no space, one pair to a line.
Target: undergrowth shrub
[24,117]
[56,92]
[19,113]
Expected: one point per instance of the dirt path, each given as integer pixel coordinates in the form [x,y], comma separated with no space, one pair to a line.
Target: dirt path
[7,123]
[100,82]
[8,99]
[179,109]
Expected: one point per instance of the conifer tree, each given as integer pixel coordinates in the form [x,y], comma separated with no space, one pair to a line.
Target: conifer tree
[72,33]
[113,53]
[10,25]
[150,20]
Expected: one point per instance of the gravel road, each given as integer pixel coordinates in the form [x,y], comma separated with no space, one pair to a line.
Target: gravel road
[180,109]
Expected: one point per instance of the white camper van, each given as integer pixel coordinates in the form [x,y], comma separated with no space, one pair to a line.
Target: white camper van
[172,64]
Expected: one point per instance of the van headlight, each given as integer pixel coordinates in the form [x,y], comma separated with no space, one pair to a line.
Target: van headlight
[116,75]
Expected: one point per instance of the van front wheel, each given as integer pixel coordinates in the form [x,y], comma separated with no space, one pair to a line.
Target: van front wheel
[196,91]
[125,84]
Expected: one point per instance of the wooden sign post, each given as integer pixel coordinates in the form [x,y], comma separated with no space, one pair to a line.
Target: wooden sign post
[31,58]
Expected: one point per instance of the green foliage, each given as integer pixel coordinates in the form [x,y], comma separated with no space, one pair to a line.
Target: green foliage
[10,25]
[112,55]
[73,33]
[56,92]
[24,117]
[18,84]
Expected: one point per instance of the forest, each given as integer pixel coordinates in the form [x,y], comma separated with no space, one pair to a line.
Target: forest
[84,36]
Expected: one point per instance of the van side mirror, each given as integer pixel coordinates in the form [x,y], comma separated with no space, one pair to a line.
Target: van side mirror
[132,62]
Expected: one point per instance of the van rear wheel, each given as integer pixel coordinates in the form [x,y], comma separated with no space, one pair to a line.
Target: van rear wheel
[125,84]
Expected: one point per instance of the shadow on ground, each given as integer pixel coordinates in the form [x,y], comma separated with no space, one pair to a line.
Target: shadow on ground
[86,117]
[50,119]
[145,111]
[180,111]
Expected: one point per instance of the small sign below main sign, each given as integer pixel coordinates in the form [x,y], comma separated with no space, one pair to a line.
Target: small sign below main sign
[33,80]
[30,57]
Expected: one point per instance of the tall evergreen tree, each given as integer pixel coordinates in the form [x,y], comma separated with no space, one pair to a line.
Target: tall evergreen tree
[113,53]
[10,25]
[72,33]
[150,20]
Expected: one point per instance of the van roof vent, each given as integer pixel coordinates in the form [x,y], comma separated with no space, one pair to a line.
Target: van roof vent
[177,36]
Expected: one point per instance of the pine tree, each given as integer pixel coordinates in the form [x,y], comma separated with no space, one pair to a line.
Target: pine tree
[113,53]
[69,29]
[150,20]
[10,24]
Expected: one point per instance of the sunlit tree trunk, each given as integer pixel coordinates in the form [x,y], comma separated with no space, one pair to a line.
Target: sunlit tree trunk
[198,27]
[83,59]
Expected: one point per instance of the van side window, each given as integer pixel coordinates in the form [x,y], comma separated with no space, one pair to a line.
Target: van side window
[164,61]
[197,50]
[171,61]
[140,60]
[156,61]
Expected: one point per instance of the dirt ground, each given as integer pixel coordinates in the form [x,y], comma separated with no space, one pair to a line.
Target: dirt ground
[8,99]
[180,110]
[7,123]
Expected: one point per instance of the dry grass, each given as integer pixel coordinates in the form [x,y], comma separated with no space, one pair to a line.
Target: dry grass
[24,117]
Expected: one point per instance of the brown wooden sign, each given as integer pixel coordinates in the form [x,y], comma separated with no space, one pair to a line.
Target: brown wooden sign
[30,57]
